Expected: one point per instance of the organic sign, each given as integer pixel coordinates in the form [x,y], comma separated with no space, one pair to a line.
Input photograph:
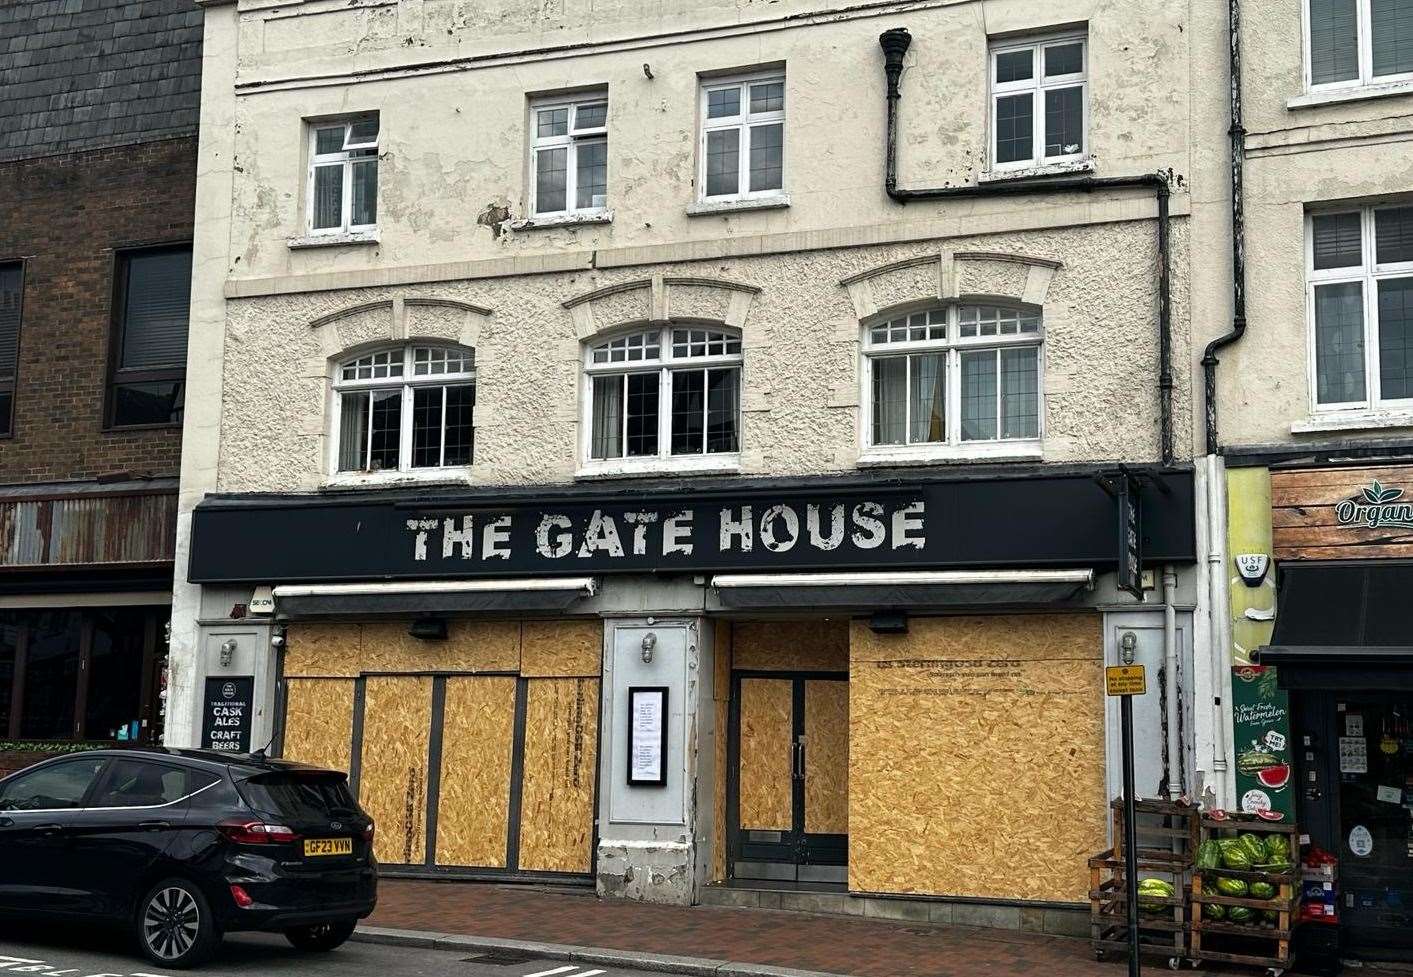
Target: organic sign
[226,711]
[1342,513]
[1261,730]
[1376,506]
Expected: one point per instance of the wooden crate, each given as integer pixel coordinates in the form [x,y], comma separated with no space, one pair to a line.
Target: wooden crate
[1160,826]
[1161,934]
[1259,944]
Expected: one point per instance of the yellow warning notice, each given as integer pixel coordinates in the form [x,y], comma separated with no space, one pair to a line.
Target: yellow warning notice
[1125,680]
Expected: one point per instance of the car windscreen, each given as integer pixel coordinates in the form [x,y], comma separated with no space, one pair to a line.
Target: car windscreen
[300,796]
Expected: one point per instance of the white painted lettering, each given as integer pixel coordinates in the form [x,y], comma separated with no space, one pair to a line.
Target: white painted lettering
[640,521]
[563,540]
[421,527]
[495,539]
[779,514]
[836,527]
[869,531]
[740,528]
[464,537]
[677,533]
[601,534]
[906,521]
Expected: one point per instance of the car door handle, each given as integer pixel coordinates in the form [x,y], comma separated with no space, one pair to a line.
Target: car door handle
[48,830]
[154,825]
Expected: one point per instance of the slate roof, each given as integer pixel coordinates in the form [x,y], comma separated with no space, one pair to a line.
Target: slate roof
[84,74]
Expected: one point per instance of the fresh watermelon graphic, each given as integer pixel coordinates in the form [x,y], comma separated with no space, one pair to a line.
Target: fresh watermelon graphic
[1274,777]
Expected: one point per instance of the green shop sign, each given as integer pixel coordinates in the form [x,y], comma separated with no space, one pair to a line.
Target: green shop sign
[1261,730]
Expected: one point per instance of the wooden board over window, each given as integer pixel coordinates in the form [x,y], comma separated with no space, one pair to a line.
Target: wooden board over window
[1342,513]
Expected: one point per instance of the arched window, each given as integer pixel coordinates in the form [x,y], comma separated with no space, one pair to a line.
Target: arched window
[959,375]
[672,392]
[405,408]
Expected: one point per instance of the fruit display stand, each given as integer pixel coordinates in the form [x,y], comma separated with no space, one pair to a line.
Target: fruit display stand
[1261,942]
[1167,835]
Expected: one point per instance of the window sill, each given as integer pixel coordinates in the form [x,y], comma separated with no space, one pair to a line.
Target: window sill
[420,476]
[995,452]
[332,240]
[720,465]
[1071,168]
[1362,420]
[562,220]
[710,208]
[1359,93]
[128,428]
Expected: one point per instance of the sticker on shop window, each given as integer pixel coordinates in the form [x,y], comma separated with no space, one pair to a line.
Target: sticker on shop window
[1361,842]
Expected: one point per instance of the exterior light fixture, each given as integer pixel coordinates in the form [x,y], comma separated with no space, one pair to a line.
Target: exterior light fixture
[649,643]
[1128,645]
[428,629]
[889,622]
[228,650]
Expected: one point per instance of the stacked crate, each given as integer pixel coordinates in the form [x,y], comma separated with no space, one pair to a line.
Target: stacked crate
[1260,942]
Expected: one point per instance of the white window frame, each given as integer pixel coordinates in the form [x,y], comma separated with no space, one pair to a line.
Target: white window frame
[408,382]
[345,157]
[1037,86]
[1364,19]
[570,141]
[665,365]
[1368,274]
[742,123]
[953,346]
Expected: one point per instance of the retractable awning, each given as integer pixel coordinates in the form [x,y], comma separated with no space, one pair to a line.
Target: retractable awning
[918,590]
[433,597]
[1343,626]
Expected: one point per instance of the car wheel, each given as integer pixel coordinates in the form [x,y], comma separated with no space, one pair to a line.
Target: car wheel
[175,927]
[321,937]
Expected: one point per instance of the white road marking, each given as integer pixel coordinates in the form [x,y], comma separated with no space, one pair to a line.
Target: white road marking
[589,973]
[551,973]
[41,968]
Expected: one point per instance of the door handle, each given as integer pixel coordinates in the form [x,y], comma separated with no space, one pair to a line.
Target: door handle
[154,825]
[48,830]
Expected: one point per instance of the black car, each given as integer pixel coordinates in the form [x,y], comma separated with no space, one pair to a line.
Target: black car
[182,846]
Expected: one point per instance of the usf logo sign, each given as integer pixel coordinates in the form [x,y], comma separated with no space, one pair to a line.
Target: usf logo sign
[1375,507]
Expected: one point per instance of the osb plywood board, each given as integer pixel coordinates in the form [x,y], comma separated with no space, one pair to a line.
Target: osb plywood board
[776,646]
[718,841]
[392,785]
[721,661]
[319,721]
[977,757]
[477,740]
[557,796]
[767,718]
[1341,513]
[826,757]
[323,649]
[561,649]
[471,646]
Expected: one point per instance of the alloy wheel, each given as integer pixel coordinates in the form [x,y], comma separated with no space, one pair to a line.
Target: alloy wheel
[171,922]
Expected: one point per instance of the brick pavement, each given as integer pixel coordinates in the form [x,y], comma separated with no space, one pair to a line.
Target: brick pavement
[861,947]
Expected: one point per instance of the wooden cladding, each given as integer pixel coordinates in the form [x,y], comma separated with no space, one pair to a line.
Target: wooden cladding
[1342,513]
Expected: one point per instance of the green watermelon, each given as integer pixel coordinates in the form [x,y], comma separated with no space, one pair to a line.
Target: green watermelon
[1209,854]
[1271,916]
[1237,858]
[1262,890]
[1240,914]
[1232,887]
[1214,911]
[1277,848]
[1255,847]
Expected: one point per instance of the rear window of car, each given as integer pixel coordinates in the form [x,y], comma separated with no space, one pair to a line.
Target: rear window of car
[296,795]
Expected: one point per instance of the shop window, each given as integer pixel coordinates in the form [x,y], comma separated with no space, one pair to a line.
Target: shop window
[150,333]
[963,379]
[742,138]
[569,156]
[408,408]
[343,176]
[1360,299]
[1352,43]
[11,293]
[670,394]
[1039,102]
[115,668]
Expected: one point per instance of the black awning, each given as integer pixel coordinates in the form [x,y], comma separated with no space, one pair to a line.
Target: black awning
[907,591]
[1343,626]
[378,600]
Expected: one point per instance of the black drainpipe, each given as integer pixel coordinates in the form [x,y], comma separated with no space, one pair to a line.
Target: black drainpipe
[1238,233]
[895,45]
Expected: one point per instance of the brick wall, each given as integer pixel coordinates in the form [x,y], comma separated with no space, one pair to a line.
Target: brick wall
[65,215]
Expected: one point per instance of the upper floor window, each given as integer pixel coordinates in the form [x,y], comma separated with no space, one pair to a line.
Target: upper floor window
[664,393]
[1358,42]
[1039,102]
[743,138]
[1360,269]
[961,375]
[11,292]
[405,408]
[149,350]
[343,175]
[569,156]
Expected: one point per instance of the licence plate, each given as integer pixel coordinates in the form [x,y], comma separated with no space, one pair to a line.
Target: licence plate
[328,846]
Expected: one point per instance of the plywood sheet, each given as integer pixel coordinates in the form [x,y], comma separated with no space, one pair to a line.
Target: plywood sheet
[319,721]
[721,661]
[718,841]
[818,645]
[477,740]
[392,787]
[826,757]
[557,797]
[323,649]
[471,646]
[977,757]
[561,649]
[767,717]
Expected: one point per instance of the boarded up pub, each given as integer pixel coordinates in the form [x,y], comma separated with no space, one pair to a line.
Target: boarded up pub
[891,685]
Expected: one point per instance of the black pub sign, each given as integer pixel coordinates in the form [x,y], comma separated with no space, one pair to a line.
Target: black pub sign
[226,711]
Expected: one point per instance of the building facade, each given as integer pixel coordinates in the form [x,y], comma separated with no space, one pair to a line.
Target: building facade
[98,110]
[654,450]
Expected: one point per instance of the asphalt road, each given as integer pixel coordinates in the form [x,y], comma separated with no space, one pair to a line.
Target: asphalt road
[84,954]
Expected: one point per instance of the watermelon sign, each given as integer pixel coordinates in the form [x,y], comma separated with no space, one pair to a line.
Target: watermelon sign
[1261,729]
